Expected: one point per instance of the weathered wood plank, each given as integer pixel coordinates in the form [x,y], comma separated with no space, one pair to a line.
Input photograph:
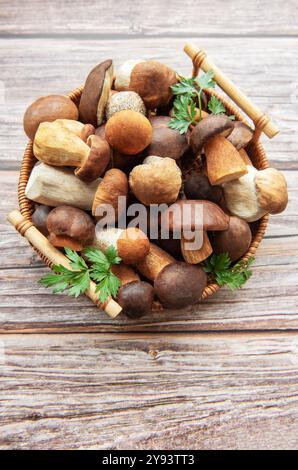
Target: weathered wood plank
[147,17]
[35,67]
[204,391]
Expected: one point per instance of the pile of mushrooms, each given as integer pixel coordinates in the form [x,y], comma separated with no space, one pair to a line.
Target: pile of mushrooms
[117,143]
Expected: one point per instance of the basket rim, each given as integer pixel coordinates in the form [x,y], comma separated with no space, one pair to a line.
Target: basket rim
[260,162]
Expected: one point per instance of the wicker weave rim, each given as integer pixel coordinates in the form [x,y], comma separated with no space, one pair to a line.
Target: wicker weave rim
[257,155]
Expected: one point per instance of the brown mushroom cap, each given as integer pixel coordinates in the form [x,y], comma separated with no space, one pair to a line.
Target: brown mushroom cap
[213,217]
[180,284]
[197,186]
[128,131]
[48,108]
[136,298]
[209,127]
[166,142]
[70,227]
[133,245]
[96,93]
[39,218]
[241,135]
[152,81]
[235,240]
[113,185]
[97,160]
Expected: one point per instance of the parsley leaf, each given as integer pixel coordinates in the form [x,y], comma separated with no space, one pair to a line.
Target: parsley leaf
[184,86]
[220,270]
[216,106]
[184,110]
[206,80]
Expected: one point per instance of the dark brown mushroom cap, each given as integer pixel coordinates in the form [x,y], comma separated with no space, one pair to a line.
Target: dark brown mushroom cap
[136,298]
[48,108]
[39,218]
[97,160]
[152,81]
[70,222]
[235,240]
[182,215]
[95,94]
[180,284]
[241,135]
[197,186]
[209,127]
[166,142]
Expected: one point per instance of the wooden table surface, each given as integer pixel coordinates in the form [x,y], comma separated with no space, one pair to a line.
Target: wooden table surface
[223,377]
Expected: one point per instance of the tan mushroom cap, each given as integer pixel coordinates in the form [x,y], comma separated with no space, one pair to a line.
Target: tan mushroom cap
[96,93]
[272,192]
[209,127]
[152,81]
[113,185]
[97,161]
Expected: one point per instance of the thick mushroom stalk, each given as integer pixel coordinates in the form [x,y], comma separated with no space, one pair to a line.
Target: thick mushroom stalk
[57,186]
[112,187]
[134,296]
[187,217]
[70,227]
[131,244]
[61,143]
[176,284]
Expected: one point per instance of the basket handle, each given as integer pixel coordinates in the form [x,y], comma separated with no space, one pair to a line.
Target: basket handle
[44,248]
[261,121]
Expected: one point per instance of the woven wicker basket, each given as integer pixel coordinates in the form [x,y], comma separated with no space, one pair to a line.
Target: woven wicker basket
[256,153]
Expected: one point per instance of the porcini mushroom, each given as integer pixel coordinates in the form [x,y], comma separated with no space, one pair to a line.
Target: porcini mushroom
[39,218]
[48,108]
[241,135]
[128,131]
[96,93]
[70,227]
[176,284]
[257,193]
[157,180]
[57,186]
[131,244]
[235,240]
[208,128]
[124,100]
[152,80]
[223,161]
[197,186]
[57,143]
[166,142]
[113,185]
[186,217]
[134,296]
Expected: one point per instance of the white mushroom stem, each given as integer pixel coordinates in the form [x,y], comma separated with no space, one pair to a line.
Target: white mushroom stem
[55,186]
[107,237]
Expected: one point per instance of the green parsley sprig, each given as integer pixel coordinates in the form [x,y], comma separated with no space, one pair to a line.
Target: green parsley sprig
[220,270]
[217,107]
[76,281]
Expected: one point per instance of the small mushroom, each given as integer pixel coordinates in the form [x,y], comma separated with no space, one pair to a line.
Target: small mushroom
[189,216]
[223,161]
[166,142]
[176,284]
[39,218]
[129,132]
[208,128]
[241,135]
[124,100]
[257,193]
[70,227]
[197,186]
[48,108]
[235,240]
[57,186]
[96,93]
[57,144]
[134,296]
[150,79]
[113,185]
[157,180]
[131,244]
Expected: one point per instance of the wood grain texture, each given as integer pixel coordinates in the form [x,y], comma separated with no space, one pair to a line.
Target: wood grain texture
[146,17]
[35,67]
[219,391]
